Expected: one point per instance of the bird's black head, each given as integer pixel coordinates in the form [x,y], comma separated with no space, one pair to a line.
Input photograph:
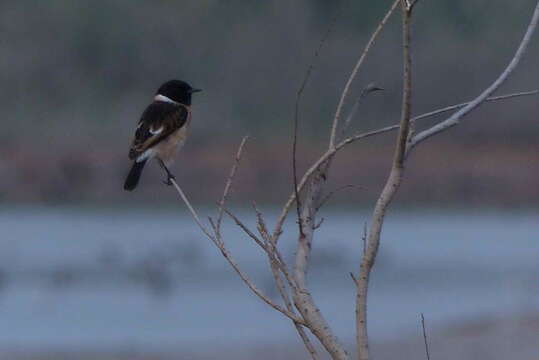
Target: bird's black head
[178,91]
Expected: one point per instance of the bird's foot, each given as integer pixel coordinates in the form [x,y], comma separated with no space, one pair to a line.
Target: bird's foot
[169,179]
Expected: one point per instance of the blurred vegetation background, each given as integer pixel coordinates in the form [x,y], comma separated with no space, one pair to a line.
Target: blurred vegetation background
[76,75]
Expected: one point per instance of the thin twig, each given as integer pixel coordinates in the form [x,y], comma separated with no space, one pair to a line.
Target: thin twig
[229,181]
[245,229]
[261,224]
[192,210]
[231,260]
[387,194]
[455,118]
[352,76]
[296,115]
[458,106]
[360,136]
[425,336]
[284,212]
[268,248]
[288,303]
[212,223]
[317,226]
[353,278]
[369,89]
[328,196]
[277,265]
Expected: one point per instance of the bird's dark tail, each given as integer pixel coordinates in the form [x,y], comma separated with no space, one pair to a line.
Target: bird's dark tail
[134,175]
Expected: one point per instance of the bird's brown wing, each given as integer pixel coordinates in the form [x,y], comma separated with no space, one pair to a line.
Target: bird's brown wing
[159,120]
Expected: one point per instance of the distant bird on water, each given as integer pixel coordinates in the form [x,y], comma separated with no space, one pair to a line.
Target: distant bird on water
[162,130]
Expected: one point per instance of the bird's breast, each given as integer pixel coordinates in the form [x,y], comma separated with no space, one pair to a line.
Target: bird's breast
[167,148]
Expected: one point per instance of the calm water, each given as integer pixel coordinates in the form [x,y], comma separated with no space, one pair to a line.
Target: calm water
[147,279]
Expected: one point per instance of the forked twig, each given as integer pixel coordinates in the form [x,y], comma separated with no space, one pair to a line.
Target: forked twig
[217,240]
[352,76]
[361,136]
[333,192]
[267,246]
[458,106]
[455,118]
[245,229]
[296,116]
[309,314]
[276,263]
[386,196]
[364,93]
[404,145]
[229,181]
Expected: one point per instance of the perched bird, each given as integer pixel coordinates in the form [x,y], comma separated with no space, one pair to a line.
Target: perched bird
[162,130]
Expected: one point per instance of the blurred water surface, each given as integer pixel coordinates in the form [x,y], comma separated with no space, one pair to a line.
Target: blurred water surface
[141,278]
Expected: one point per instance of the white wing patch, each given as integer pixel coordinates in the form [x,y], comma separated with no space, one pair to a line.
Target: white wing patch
[148,154]
[156,132]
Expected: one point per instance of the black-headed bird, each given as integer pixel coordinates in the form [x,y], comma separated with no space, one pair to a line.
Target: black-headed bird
[162,130]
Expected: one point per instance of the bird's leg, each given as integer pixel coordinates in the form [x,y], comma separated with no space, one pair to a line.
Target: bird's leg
[170,177]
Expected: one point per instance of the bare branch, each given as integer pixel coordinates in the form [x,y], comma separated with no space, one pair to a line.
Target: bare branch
[352,76]
[219,243]
[308,314]
[229,182]
[302,297]
[360,136]
[319,223]
[296,116]
[277,264]
[353,278]
[284,295]
[326,156]
[456,117]
[458,106]
[261,224]
[217,240]
[364,93]
[328,196]
[425,336]
[310,348]
[274,256]
[269,249]
[294,166]
[192,211]
[390,188]
[212,223]
[259,293]
[245,229]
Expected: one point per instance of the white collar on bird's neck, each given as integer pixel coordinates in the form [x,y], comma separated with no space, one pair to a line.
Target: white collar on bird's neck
[164,98]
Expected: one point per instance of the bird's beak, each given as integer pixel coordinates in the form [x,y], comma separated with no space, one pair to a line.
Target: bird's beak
[195,90]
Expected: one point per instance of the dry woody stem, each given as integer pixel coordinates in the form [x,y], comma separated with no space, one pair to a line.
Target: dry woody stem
[298,304]
[390,189]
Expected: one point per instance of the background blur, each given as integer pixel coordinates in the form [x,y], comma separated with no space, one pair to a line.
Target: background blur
[88,270]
